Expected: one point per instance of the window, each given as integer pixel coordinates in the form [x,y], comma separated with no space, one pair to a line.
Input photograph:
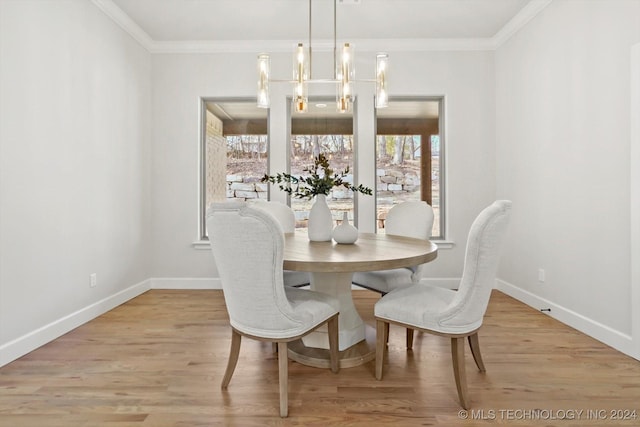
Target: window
[234,153]
[409,156]
[323,130]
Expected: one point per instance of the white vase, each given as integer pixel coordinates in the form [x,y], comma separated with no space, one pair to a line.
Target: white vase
[320,220]
[345,233]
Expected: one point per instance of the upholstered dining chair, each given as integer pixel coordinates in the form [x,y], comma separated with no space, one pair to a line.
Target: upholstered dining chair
[247,245]
[409,219]
[453,314]
[287,219]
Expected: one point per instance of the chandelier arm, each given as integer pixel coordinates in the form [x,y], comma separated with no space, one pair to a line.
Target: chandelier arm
[308,81]
[322,81]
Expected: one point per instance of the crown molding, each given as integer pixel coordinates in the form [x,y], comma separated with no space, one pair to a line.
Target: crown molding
[362,45]
[118,16]
[286,46]
[517,22]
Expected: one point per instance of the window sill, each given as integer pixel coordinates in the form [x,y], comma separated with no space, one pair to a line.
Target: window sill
[444,244]
[204,244]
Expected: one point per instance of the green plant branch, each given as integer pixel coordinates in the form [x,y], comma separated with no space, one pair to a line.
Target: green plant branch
[321,180]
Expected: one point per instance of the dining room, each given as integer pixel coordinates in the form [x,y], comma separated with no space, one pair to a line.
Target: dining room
[112,309]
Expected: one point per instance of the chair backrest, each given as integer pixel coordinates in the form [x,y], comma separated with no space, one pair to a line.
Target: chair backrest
[480,266]
[283,213]
[410,219]
[247,245]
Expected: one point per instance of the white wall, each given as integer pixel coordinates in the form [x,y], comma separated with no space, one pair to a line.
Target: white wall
[99,160]
[74,168]
[465,78]
[563,146]
[634,164]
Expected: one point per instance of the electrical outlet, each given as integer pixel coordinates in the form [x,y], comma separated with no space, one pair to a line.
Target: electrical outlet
[93,280]
[541,275]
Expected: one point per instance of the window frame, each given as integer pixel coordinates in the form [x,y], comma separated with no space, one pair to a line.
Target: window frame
[202,160]
[313,99]
[203,240]
[441,99]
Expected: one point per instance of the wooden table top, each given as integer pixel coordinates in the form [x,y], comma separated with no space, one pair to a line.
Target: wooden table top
[370,252]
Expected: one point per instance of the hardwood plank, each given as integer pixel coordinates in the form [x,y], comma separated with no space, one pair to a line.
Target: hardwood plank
[158,361]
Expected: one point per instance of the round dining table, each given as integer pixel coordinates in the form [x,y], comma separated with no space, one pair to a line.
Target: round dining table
[332,266]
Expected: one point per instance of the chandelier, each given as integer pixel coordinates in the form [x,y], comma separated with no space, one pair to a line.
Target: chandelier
[343,76]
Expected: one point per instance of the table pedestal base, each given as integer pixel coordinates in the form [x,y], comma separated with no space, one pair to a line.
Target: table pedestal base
[356,355]
[350,325]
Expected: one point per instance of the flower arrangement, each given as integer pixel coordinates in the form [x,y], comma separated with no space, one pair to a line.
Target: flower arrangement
[320,181]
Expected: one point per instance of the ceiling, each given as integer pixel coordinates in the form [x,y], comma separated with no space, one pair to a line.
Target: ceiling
[250,25]
[264,20]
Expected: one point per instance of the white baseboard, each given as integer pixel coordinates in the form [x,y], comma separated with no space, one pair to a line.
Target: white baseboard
[29,342]
[214,283]
[444,282]
[186,283]
[616,339]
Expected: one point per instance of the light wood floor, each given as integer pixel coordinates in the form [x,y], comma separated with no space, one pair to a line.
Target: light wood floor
[158,361]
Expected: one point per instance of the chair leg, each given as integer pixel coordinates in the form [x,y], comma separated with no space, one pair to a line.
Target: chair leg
[386,333]
[457,354]
[381,339]
[233,358]
[332,327]
[409,338]
[283,369]
[475,351]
